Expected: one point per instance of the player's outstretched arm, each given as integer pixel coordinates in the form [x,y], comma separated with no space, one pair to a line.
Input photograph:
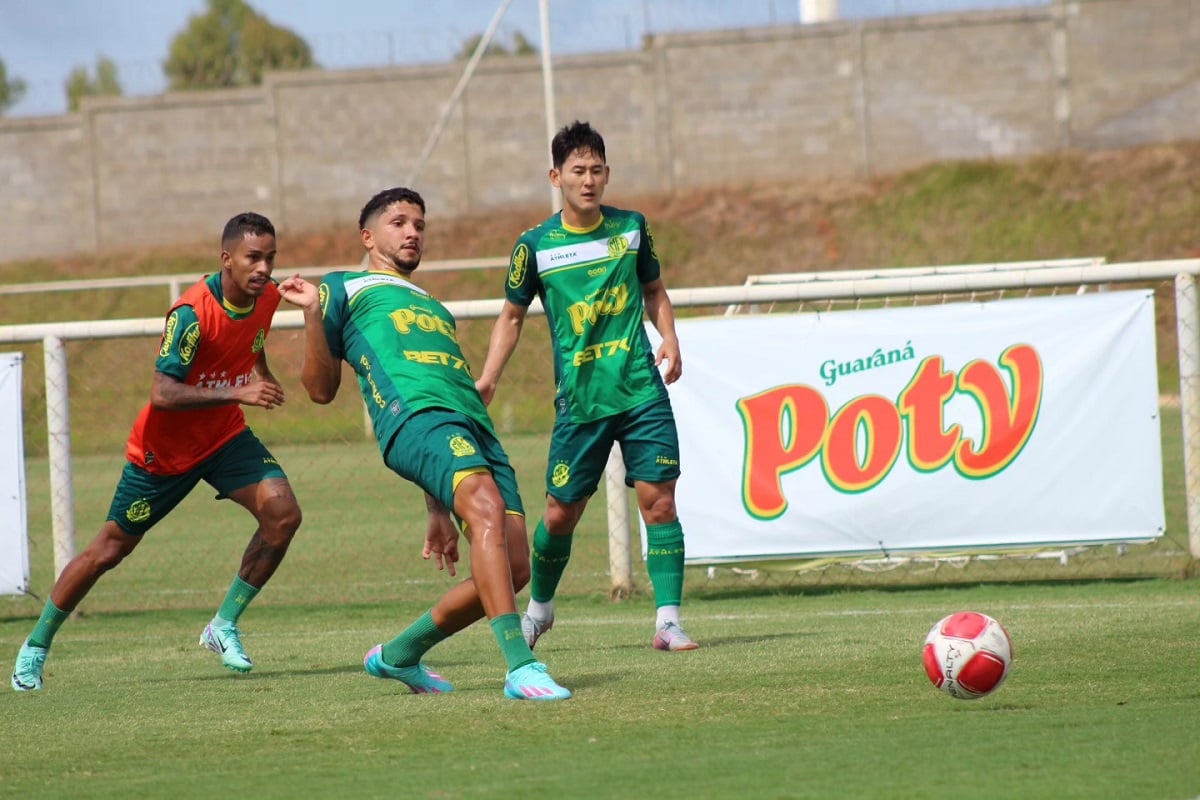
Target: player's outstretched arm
[321,373]
[662,316]
[506,332]
[171,394]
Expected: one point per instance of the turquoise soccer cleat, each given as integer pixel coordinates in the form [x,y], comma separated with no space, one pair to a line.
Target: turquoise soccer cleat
[533,682]
[27,672]
[418,678]
[227,643]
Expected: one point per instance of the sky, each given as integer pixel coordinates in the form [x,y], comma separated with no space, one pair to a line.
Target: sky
[41,41]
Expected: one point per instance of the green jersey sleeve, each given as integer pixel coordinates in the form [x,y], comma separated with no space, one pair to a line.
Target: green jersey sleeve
[334,311]
[521,285]
[648,266]
[180,343]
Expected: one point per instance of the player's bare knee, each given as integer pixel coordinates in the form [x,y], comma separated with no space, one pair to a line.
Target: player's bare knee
[660,510]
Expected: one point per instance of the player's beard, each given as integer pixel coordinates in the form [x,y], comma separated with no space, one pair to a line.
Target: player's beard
[405,260]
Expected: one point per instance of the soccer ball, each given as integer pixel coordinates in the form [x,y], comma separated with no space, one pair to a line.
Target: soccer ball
[967,655]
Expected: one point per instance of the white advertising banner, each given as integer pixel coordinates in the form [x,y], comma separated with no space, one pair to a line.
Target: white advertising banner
[14,531]
[1004,424]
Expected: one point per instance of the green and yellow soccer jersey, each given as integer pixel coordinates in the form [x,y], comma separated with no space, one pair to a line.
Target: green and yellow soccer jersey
[590,284]
[403,346]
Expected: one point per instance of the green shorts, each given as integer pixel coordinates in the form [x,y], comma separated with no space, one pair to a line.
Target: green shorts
[433,446]
[143,498]
[579,450]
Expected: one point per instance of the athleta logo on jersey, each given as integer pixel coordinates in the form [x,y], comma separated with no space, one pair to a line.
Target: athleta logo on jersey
[221,380]
[591,252]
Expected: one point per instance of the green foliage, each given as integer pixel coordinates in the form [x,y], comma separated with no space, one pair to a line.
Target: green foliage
[11,89]
[81,83]
[232,45]
[521,46]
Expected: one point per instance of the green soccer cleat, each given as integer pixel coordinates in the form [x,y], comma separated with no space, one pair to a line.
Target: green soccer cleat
[533,629]
[27,672]
[418,678]
[670,637]
[533,682]
[227,643]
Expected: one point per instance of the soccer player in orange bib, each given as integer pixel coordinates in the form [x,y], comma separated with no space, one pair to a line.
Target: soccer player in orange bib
[211,362]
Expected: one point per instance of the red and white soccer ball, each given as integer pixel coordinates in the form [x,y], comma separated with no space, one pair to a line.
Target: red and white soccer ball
[967,655]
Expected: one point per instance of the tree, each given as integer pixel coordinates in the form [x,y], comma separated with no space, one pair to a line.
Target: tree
[520,47]
[232,45]
[11,89]
[81,84]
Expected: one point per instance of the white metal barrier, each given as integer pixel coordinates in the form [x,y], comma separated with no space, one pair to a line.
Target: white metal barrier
[177,282]
[1051,274]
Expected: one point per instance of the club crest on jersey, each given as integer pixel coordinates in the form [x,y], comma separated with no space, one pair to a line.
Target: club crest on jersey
[461,447]
[617,245]
[138,511]
[260,341]
[189,343]
[561,475]
[518,265]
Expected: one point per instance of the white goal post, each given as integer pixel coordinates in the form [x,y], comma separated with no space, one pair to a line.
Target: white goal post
[964,280]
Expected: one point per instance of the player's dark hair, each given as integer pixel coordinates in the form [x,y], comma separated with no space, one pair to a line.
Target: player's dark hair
[376,205]
[576,136]
[243,225]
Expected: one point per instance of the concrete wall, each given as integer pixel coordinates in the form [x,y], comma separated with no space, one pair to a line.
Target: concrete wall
[836,99]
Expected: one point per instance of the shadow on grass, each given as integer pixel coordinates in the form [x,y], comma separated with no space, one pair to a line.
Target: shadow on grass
[700,595]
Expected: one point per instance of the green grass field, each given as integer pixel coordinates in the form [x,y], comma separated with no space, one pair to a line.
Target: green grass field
[807,684]
[792,695]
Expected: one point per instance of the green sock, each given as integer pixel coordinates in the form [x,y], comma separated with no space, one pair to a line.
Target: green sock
[239,596]
[664,562]
[547,561]
[507,628]
[47,625]
[416,640]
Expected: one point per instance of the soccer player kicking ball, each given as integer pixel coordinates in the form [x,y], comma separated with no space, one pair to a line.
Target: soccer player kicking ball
[595,270]
[193,429]
[433,429]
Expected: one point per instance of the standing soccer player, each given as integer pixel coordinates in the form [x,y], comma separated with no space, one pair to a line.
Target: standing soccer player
[433,430]
[595,270]
[211,361]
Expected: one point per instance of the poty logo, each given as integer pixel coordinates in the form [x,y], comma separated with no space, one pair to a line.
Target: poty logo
[787,427]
